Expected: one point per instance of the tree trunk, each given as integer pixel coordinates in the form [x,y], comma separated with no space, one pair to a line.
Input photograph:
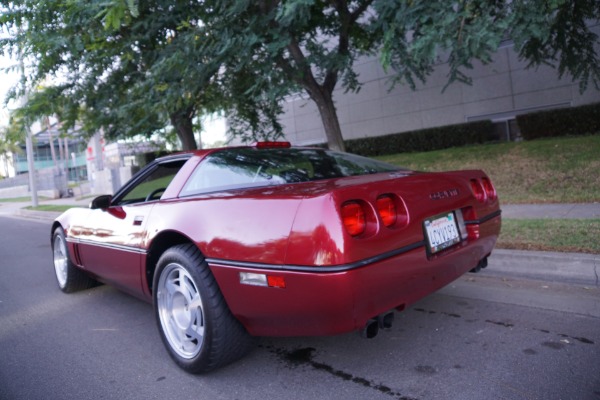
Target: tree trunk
[51,139]
[184,126]
[324,101]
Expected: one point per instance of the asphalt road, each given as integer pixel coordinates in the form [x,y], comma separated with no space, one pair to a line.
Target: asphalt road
[483,337]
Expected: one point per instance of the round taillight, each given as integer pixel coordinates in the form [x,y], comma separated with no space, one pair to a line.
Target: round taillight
[478,190]
[489,188]
[387,210]
[353,217]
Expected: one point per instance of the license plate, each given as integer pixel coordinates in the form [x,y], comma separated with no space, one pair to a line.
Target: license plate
[441,232]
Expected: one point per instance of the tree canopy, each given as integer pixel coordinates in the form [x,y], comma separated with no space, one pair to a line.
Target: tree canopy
[129,69]
[135,67]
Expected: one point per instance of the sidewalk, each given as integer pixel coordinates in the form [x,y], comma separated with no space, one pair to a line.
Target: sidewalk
[530,211]
[573,268]
[18,208]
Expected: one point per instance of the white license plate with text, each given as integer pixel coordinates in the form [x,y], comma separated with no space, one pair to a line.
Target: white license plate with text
[441,232]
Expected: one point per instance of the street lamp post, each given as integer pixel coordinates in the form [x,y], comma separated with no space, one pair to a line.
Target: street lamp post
[31,168]
[28,141]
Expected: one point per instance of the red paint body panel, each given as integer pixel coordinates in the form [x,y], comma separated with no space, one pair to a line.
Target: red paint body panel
[234,227]
[334,282]
[337,302]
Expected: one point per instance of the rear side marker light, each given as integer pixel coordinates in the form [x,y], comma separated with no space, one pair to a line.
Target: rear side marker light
[387,210]
[253,279]
[276,281]
[353,217]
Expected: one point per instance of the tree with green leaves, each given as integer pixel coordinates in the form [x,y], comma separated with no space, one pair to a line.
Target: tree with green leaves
[128,73]
[132,66]
[10,137]
[313,44]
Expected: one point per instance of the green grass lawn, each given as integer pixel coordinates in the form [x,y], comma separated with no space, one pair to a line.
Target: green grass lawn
[567,235]
[20,199]
[559,170]
[51,207]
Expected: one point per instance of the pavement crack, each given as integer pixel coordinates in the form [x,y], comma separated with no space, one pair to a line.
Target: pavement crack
[305,356]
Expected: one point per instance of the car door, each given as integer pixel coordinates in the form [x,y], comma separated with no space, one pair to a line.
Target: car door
[111,244]
[112,239]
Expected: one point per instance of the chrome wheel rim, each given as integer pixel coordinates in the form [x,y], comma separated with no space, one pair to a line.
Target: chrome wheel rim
[180,311]
[60,260]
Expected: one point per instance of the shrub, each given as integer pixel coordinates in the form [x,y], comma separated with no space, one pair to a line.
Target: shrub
[583,120]
[422,140]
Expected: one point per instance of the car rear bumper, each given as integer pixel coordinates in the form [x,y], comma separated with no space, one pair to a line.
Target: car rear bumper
[334,302]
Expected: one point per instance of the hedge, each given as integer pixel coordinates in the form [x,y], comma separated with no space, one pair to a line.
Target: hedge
[583,120]
[422,140]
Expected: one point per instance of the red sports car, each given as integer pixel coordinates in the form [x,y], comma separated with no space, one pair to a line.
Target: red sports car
[274,240]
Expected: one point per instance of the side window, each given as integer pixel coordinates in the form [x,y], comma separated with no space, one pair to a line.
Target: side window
[153,184]
[233,169]
[217,173]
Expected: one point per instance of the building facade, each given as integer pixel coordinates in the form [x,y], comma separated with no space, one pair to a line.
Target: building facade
[500,91]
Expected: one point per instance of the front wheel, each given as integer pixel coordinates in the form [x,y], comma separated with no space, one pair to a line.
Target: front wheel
[69,277]
[195,324]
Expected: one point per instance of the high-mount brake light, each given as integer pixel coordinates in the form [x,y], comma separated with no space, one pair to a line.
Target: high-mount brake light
[489,188]
[478,190]
[387,210]
[273,145]
[353,217]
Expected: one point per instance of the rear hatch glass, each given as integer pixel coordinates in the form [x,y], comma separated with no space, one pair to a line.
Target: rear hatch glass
[250,167]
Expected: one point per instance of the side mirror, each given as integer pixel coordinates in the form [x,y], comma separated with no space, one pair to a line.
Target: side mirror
[101,202]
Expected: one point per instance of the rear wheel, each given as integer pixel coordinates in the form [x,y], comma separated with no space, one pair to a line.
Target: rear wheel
[69,277]
[195,324]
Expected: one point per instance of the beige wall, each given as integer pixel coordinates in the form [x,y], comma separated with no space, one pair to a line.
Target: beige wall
[500,90]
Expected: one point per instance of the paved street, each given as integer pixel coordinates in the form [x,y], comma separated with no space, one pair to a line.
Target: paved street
[485,336]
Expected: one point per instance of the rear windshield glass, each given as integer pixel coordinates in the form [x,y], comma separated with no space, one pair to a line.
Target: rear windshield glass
[250,167]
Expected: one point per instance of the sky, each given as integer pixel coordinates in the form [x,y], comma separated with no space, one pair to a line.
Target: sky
[6,82]
[214,127]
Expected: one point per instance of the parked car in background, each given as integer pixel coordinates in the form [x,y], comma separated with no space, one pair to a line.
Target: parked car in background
[274,240]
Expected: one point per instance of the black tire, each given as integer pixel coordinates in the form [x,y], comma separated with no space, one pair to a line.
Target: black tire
[195,324]
[69,278]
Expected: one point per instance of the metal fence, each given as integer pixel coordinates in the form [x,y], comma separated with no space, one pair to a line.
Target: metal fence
[46,179]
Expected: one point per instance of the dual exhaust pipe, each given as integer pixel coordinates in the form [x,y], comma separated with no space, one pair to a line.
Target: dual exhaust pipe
[382,321]
[385,320]
[481,265]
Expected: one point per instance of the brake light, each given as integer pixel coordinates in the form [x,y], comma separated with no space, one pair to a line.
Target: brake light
[387,210]
[478,190]
[273,145]
[353,217]
[489,188]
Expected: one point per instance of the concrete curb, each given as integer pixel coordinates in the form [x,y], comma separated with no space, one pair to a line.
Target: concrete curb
[575,268]
[42,215]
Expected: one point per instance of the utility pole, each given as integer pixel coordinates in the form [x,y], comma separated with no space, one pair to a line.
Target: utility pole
[28,140]
[31,167]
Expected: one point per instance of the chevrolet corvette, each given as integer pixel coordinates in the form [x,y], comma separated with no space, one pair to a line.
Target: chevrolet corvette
[274,240]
